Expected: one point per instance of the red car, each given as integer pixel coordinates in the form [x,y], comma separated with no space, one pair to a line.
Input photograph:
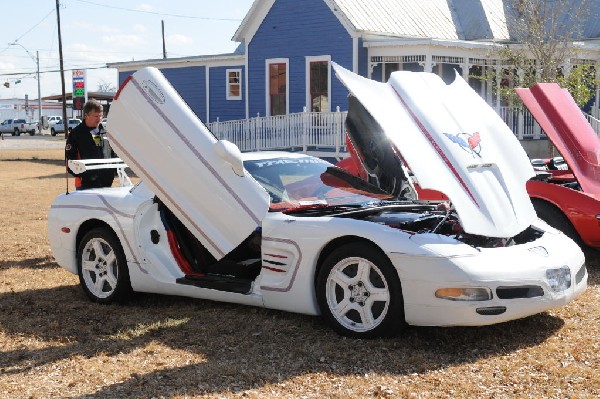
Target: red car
[568,200]
[571,204]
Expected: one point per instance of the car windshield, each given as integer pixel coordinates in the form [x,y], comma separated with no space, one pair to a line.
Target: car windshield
[296,182]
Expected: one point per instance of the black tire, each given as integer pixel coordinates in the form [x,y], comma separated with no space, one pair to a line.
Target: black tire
[32,133]
[340,280]
[105,276]
[17,132]
[555,218]
[52,132]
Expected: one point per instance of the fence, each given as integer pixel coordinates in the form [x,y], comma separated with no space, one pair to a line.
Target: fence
[309,132]
[323,133]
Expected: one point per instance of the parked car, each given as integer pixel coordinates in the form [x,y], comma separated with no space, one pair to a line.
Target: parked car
[539,164]
[293,232]
[59,127]
[569,198]
[52,119]
[17,126]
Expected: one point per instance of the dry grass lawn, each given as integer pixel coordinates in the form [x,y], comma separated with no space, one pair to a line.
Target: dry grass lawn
[55,343]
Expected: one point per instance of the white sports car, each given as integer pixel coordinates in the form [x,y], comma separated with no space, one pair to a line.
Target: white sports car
[292,232]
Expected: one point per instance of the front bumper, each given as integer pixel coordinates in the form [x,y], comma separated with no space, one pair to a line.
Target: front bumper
[515,275]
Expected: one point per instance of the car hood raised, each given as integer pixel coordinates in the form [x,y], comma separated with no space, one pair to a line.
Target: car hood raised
[452,141]
[562,120]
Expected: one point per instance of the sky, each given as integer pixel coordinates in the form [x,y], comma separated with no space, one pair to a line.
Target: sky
[96,32]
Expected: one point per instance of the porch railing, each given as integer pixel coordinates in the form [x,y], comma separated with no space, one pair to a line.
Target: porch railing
[323,133]
[314,132]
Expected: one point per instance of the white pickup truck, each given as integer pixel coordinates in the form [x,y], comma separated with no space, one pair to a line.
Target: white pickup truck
[59,127]
[17,126]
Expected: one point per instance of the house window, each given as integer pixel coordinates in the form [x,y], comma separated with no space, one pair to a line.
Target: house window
[319,86]
[278,89]
[234,84]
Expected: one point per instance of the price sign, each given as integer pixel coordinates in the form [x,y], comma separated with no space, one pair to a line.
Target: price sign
[78,83]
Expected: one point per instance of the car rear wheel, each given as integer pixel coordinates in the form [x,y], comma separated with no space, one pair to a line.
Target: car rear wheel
[102,267]
[17,133]
[359,292]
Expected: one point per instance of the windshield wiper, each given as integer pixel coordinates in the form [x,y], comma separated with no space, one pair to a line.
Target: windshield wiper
[315,208]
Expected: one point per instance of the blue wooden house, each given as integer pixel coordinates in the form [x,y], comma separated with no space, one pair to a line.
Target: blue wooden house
[282,64]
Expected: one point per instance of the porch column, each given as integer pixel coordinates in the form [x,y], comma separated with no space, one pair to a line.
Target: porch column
[372,66]
[498,80]
[521,115]
[428,67]
[566,68]
[465,69]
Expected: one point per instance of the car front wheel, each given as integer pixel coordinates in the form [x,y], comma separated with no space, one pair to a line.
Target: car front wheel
[52,132]
[102,267]
[556,218]
[359,292]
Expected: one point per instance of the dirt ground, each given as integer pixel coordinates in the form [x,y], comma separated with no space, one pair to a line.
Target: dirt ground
[54,343]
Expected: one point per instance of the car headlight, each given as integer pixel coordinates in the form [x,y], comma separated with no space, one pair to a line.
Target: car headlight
[464,294]
[559,279]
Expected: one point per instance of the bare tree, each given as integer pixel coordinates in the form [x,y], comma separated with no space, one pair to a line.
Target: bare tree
[547,29]
[106,87]
[542,35]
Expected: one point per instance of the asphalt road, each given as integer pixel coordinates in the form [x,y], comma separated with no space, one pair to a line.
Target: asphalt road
[27,142]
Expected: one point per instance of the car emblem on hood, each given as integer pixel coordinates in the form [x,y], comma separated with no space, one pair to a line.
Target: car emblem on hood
[468,142]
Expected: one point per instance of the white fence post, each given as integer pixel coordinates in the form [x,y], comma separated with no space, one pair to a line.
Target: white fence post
[520,124]
[305,122]
[337,129]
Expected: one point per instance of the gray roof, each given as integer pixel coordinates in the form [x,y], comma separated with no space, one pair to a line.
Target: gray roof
[439,19]
[451,19]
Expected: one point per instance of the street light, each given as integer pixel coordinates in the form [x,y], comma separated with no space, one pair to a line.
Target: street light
[36,59]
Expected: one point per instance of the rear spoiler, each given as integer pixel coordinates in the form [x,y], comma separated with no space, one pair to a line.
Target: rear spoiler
[79,166]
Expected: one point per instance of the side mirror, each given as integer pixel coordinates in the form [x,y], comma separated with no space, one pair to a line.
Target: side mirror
[231,154]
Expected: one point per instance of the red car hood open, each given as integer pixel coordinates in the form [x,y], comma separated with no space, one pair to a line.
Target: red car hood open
[562,120]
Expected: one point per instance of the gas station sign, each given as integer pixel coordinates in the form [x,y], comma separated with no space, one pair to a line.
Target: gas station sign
[78,88]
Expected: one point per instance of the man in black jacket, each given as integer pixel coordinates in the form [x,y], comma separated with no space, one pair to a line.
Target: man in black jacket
[86,141]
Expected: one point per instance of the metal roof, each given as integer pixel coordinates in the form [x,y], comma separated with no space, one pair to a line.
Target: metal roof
[407,18]
[455,19]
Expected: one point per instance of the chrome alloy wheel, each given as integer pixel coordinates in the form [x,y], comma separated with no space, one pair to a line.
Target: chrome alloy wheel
[99,267]
[357,294]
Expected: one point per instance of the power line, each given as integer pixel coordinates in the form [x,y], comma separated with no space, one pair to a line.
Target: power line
[72,68]
[159,13]
[33,27]
[29,30]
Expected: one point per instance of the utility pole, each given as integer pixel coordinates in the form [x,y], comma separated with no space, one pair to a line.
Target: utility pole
[37,62]
[37,59]
[62,73]
[162,23]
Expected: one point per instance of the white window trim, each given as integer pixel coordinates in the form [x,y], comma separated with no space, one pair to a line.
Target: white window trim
[310,59]
[227,91]
[268,62]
